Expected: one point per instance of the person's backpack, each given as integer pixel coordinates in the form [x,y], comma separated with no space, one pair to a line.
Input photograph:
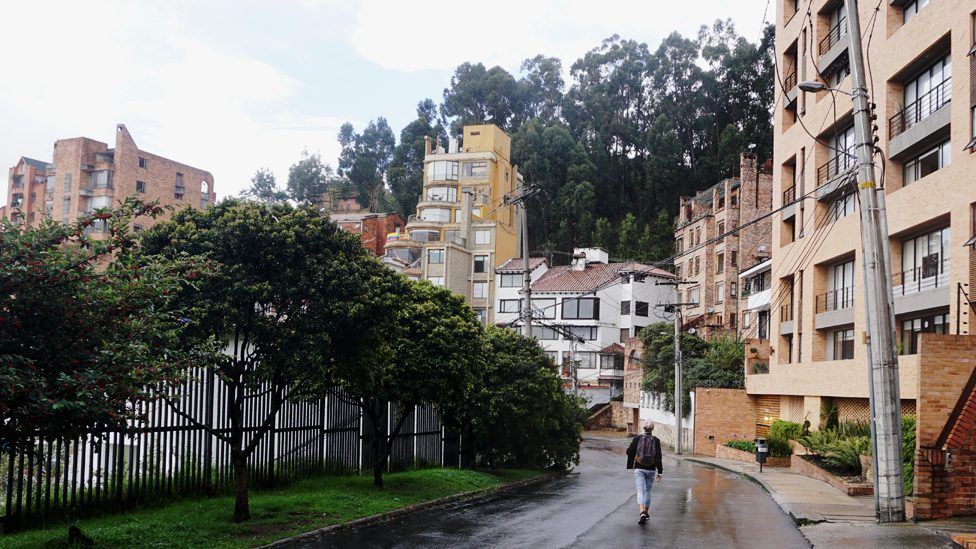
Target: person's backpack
[646,451]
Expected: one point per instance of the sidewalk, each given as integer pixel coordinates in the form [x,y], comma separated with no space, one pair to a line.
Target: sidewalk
[830,518]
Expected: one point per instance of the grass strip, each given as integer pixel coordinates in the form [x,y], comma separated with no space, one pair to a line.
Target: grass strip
[275,514]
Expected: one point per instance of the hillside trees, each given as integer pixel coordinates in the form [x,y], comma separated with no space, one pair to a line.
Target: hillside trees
[405,175]
[365,158]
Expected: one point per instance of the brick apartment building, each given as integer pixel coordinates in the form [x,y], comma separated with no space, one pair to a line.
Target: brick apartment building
[708,262]
[86,174]
[926,118]
[372,228]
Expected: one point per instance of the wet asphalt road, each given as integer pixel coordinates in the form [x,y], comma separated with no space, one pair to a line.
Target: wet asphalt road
[693,507]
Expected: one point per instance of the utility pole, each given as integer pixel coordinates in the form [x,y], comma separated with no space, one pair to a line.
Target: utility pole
[885,399]
[678,401]
[523,193]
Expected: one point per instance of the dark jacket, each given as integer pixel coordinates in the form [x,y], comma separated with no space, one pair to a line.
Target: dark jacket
[632,452]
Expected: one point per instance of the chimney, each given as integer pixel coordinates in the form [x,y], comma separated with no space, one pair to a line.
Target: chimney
[427,144]
[579,260]
[452,145]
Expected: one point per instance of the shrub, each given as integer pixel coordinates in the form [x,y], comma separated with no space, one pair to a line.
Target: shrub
[908,452]
[779,445]
[845,453]
[828,415]
[742,444]
[817,441]
[760,367]
[854,428]
[788,429]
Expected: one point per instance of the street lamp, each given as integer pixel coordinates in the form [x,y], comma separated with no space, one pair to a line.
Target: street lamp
[814,86]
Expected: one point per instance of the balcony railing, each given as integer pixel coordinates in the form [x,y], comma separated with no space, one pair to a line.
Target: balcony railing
[837,32]
[786,313]
[789,195]
[836,300]
[920,109]
[837,165]
[921,279]
[789,81]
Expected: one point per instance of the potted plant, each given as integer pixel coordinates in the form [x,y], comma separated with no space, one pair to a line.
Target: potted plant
[753,352]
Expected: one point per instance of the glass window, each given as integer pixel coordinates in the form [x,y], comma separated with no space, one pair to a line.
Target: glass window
[544,333]
[927,163]
[719,292]
[694,295]
[482,237]
[843,206]
[624,335]
[581,308]
[911,9]
[481,263]
[625,307]
[425,236]
[436,215]
[67,182]
[140,186]
[475,169]
[101,179]
[641,308]
[587,360]
[480,290]
[844,344]
[143,163]
[482,315]
[442,170]
[435,256]
[910,330]
[509,305]
[841,284]
[720,263]
[511,280]
[544,308]
[436,280]
[585,332]
[97,202]
[926,256]
[442,194]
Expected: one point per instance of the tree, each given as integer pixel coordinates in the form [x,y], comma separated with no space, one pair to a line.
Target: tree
[657,359]
[435,344]
[264,188]
[308,179]
[292,295]
[543,87]
[483,96]
[88,331]
[365,158]
[520,415]
[406,172]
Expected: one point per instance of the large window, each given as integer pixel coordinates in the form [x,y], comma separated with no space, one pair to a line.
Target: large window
[843,344]
[719,292]
[442,170]
[544,333]
[475,169]
[586,332]
[510,280]
[840,281]
[435,256]
[843,151]
[481,263]
[509,305]
[910,330]
[843,206]
[436,280]
[544,308]
[482,237]
[928,162]
[925,94]
[442,194]
[425,236]
[584,360]
[581,308]
[102,179]
[640,308]
[911,9]
[480,290]
[625,307]
[925,256]
[436,215]
[694,296]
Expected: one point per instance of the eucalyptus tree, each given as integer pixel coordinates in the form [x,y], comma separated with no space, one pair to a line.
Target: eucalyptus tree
[365,159]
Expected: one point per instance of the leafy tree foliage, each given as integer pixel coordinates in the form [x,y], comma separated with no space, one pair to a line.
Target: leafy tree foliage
[88,331]
[406,171]
[365,158]
[521,416]
[292,294]
[483,96]
[308,179]
[264,188]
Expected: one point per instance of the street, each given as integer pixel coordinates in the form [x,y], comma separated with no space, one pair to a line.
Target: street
[692,507]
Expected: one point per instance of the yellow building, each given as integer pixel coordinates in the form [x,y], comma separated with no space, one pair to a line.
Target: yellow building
[462,230]
[925,118]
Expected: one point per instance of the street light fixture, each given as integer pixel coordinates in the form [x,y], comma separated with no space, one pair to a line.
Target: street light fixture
[814,86]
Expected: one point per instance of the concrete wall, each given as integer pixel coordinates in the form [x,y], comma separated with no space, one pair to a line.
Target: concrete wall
[722,415]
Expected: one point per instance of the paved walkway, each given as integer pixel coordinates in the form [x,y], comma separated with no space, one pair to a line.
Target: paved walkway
[830,518]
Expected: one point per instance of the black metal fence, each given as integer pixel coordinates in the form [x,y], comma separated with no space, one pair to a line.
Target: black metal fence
[837,32]
[920,109]
[170,456]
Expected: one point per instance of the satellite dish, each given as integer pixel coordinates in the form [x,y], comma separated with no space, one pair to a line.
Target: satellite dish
[691,330]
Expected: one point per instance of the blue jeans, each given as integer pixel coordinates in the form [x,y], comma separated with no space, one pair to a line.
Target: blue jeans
[645,481]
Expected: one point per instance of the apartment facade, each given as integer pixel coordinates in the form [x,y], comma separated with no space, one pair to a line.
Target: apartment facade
[462,230]
[711,253]
[585,313]
[86,174]
[373,228]
[926,120]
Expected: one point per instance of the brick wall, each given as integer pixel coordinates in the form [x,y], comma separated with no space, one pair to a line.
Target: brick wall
[721,415]
[945,488]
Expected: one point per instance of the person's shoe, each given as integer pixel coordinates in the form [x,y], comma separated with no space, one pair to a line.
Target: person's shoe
[642,519]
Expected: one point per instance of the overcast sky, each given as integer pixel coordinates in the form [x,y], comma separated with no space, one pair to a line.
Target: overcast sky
[229,86]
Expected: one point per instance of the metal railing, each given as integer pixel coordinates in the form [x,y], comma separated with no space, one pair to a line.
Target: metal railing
[789,196]
[920,109]
[789,81]
[786,313]
[835,300]
[837,165]
[920,279]
[837,32]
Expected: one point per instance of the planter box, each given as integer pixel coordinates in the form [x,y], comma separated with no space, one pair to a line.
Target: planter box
[803,467]
[727,452]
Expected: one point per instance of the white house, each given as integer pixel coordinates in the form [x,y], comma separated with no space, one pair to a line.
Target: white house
[600,303]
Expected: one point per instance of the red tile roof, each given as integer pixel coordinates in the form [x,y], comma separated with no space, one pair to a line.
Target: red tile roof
[516,264]
[565,279]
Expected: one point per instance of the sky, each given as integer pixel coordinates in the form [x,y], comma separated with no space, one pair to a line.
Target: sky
[231,86]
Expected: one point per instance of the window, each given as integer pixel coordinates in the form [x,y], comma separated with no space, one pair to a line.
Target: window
[732,320]
[544,333]
[720,263]
[98,202]
[482,315]
[694,296]
[475,169]
[843,344]
[436,215]
[840,281]
[425,236]
[143,163]
[140,186]
[585,332]
[624,335]
[925,94]
[544,308]
[101,179]
[746,320]
[178,196]
[581,308]
[843,206]
[480,290]
[842,153]
[584,360]
[719,292]
[435,256]
[67,182]
[734,259]
[924,257]
[442,170]
[509,305]
[721,229]
[179,181]
[66,207]
[511,280]
[204,188]
[641,308]
[911,9]
[481,263]
[625,307]
[679,245]
[482,237]
[927,163]
[677,270]
[137,228]
[436,280]
[910,330]
[733,289]
[697,264]
[442,194]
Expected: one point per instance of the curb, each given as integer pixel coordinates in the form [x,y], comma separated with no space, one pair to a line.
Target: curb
[800,518]
[355,523]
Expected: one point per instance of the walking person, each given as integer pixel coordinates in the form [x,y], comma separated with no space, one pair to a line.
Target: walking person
[644,457]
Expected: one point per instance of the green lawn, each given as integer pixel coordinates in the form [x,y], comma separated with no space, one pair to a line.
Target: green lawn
[275,514]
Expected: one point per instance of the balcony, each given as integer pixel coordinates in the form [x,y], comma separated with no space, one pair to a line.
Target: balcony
[922,108]
[789,84]
[786,319]
[834,308]
[833,50]
[921,125]
[922,288]
[835,173]
[833,37]
[789,209]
